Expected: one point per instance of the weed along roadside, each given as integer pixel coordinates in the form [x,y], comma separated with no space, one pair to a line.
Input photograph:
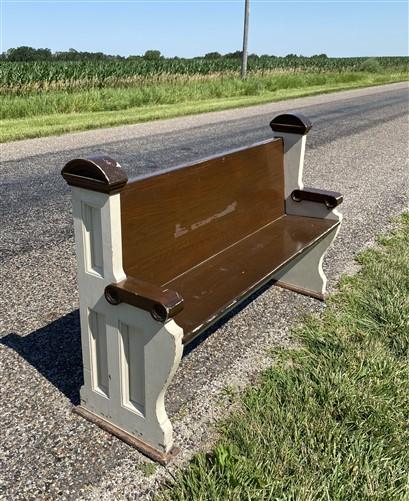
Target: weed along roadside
[47,99]
[328,420]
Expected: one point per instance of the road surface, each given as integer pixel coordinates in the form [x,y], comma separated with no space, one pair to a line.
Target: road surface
[358,145]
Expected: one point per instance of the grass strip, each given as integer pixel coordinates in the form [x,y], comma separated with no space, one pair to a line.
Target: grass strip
[118,105]
[328,421]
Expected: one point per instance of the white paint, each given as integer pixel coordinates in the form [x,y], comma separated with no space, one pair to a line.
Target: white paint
[182,230]
[98,352]
[305,271]
[133,368]
[228,210]
[294,151]
[128,358]
[92,235]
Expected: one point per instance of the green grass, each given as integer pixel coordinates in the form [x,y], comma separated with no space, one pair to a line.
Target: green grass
[54,112]
[330,420]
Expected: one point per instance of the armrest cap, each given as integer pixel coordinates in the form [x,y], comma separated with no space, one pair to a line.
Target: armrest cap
[293,123]
[162,304]
[330,198]
[100,173]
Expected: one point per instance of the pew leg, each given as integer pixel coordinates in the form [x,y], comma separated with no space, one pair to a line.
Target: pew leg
[141,358]
[305,274]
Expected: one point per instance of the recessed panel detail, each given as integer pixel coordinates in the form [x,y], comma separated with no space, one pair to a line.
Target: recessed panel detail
[99,356]
[133,369]
[91,217]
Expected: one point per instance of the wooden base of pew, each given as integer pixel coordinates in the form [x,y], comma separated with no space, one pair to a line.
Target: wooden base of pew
[144,448]
[300,290]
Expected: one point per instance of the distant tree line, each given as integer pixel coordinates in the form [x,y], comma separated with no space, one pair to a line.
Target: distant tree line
[30,54]
[238,54]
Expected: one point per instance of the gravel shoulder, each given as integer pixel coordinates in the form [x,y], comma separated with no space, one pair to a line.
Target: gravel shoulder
[358,146]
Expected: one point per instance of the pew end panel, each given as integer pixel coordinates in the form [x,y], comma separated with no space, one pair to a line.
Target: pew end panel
[293,128]
[305,274]
[131,347]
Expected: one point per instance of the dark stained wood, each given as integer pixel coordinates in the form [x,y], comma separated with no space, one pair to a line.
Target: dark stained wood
[330,198]
[99,173]
[219,283]
[300,290]
[174,220]
[294,123]
[147,450]
[211,233]
[161,302]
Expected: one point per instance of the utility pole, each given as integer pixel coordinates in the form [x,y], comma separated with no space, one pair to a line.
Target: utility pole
[245,37]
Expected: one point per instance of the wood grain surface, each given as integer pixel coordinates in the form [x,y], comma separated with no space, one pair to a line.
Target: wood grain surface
[173,221]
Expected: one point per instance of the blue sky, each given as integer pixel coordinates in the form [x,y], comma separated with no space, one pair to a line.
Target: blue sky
[191,28]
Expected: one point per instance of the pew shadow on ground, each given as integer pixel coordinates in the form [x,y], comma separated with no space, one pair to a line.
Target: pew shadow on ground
[55,349]
[55,352]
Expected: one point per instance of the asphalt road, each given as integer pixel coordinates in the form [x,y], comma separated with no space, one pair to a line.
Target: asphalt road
[358,145]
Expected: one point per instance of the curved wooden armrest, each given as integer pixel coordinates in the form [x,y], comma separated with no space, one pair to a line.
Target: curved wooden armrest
[293,123]
[100,173]
[330,198]
[162,304]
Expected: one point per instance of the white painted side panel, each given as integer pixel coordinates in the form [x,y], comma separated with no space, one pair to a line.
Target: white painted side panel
[128,357]
[161,346]
[294,151]
[305,272]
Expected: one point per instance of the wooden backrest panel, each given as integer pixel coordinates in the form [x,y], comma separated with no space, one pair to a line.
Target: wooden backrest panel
[178,218]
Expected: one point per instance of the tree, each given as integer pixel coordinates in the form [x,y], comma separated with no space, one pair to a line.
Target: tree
[43,55]
[213,55]
[152,55]
[25,53]
[238,54]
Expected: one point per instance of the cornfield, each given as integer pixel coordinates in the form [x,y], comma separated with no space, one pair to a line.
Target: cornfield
[20,78]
